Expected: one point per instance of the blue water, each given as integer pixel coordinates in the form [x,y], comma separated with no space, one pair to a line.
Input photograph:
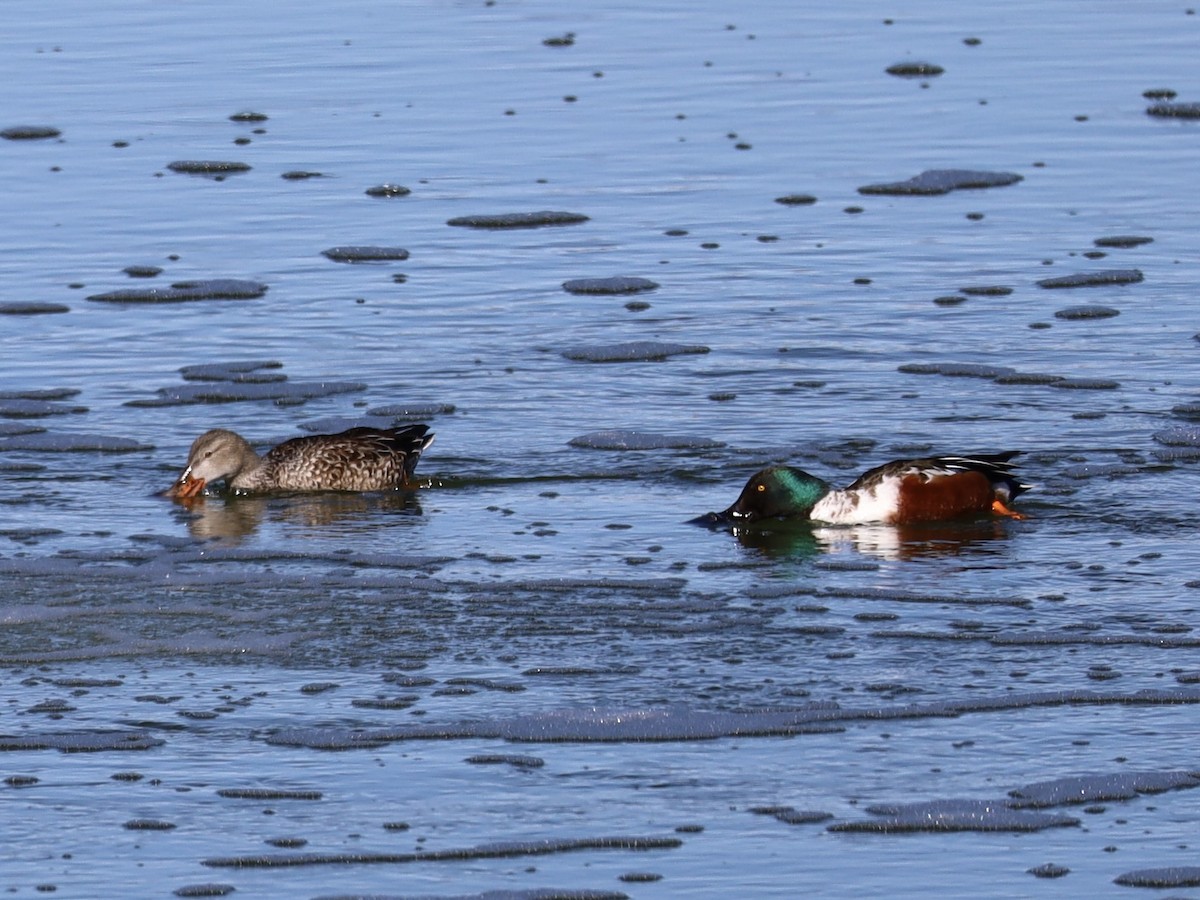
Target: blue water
[541,598]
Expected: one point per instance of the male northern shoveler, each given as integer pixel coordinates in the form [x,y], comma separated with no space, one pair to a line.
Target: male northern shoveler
[896,493]
[361,459]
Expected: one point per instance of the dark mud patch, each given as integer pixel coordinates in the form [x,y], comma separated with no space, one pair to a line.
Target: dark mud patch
[933,182]
[1168,877]
[149,825]
[958,370]
[32,308]
[796,200]
[290,392]
[915,70]
[618,284]
[1098,788]
[621,439]
[1093,279]
[58,442]
[986,290]
[238,370]
[82,741]
[1048,870]
[506,850]
[267,794]
[204,890]
[789,815]
[633,351]
[41,394]
[365,254]
[1174,110]
[30,133]
[1086,384]
[516,760]
[186,291]
[502,221]
[953,815]
[413,410]
[35,409]
[1179,436]
[388,190]
[1088,311]
[208,168]
[1123,241]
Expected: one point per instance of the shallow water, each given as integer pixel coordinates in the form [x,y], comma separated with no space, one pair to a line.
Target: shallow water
[535,648]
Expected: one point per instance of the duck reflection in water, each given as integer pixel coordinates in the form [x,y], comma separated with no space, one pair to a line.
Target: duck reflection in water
[799,540]
[232,518]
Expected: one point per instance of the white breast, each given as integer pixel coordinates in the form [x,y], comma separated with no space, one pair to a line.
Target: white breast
[859,507]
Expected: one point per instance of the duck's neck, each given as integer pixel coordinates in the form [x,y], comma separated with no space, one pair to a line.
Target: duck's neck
[250,468]
[804,491]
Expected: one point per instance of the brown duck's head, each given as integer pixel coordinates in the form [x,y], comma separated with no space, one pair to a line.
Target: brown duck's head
[215,455]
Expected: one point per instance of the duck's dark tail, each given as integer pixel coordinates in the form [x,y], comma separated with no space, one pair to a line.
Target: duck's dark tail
[998,467]
[412,441]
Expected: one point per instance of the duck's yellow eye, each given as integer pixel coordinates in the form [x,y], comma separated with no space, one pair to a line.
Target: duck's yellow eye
[761,488]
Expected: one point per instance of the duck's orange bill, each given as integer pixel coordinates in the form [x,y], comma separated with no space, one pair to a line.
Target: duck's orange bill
[187,487]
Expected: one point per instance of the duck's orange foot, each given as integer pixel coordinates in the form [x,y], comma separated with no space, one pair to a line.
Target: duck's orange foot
[1000,509]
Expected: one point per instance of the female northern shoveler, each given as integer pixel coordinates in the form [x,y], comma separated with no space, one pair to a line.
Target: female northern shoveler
[896,493]
[361,459]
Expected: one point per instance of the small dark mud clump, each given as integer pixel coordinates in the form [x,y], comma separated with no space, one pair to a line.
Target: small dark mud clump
[942,181]
[915,70]
[284,392]
[789,815]
[1169,877]
[1048,870]
[618,284]
[633,351]
[953,815]
[1087,312]
[32,308]
[186,291]
[506,850]
[796,200]
[29,133]
[242,370]
[149,825]
[1123,241]
[388,190]
[204,890]
[1093,279]
[209,168]
[1174,110]
[519,220]
[957,370]
[515,760]
[267,794]
[987,290]
[620,439]
[357,254]
[142,271]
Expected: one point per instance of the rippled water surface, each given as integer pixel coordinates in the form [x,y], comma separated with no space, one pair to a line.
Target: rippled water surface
[531,675]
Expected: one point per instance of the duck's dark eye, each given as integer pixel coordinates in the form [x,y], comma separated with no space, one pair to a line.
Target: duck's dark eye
[207,454]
